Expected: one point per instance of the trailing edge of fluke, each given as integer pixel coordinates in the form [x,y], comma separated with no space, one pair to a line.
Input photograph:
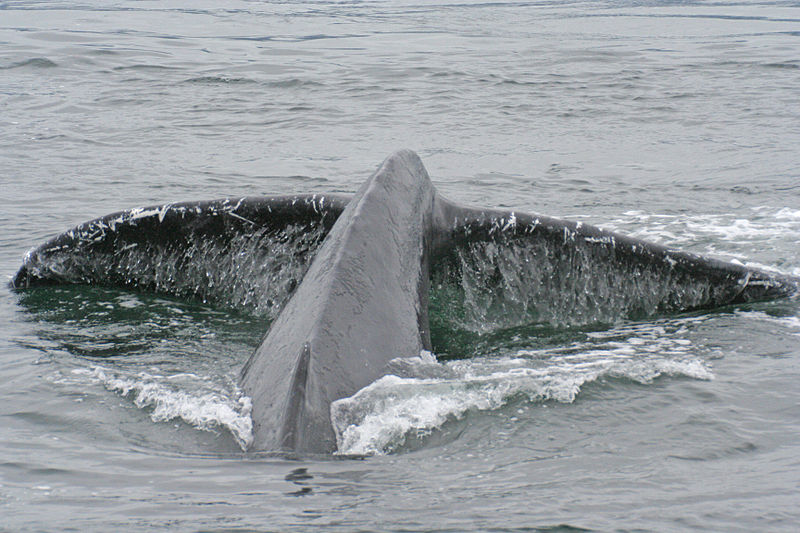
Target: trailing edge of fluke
[364,265]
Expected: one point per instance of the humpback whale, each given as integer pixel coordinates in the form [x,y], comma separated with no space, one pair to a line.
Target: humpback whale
[346,281]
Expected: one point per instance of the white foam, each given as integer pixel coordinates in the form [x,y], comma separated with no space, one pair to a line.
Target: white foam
[766,226]
[380,417]
[788,214]
[178,396]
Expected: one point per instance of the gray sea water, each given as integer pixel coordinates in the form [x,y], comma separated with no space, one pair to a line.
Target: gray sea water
[678,122]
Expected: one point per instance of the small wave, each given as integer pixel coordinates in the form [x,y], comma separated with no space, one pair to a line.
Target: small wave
[783,65]
[380,417]
[185,396]
[293,83]
[788,214]
[221,80]
[145,67]
[35,62]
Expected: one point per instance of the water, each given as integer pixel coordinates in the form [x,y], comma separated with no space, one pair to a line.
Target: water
[674,122]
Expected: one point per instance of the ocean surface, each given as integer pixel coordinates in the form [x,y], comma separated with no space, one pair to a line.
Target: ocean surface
[676,122]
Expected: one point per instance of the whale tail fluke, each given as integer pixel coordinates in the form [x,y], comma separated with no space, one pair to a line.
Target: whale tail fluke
[347,282]
[242,253]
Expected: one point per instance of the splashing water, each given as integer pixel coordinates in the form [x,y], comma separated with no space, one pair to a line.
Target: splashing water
[189,397]
[727,236]
[423,395]
[177,360]
[487,286]
[254,272]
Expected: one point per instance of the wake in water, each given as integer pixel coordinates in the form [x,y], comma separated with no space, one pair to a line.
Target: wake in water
[423,394]
[194,399]
[176,360]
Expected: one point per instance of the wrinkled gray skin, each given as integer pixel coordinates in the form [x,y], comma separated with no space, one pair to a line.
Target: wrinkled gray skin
[362,297]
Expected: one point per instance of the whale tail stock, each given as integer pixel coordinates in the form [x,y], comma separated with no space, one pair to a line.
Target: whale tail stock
[347,281]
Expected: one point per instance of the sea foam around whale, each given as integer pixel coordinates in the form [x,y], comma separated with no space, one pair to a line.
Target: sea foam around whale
[424,395]
[183,396]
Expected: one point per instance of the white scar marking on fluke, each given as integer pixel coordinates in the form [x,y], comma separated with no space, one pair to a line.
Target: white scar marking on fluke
[234,215]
